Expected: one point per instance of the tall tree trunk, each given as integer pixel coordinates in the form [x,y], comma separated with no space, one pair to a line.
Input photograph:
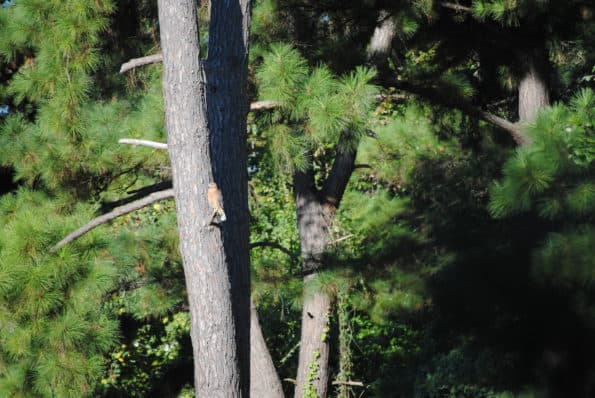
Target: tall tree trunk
[213,267]
[314,345]
[265,382]
[315,213]
[227,104]
[533,86]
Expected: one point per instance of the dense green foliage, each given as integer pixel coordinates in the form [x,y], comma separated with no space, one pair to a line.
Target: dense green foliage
[461,264]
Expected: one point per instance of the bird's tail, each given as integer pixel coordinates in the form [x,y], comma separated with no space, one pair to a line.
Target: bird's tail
[222,216]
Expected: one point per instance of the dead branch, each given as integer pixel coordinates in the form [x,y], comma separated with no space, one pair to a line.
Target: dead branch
[263,105]
[349,383]
[120,211]
[151,144]
[136,62]
[456,6]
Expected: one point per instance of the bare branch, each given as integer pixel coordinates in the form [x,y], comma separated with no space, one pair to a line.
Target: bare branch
[136,62]
[349,383]
[341,239]
[263,105]
[135,195]
[452,100]
[151,144]
[292,381]
[274,245]
[120,211]
[455,6]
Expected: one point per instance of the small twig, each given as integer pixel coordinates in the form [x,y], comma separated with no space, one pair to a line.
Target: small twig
[455,6]
[289,353]
[292,381]
[274,245]
[120,211]
[136,62]
[151,144]
[341,239]
[348,383]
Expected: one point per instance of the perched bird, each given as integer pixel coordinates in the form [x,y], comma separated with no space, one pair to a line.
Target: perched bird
[216,201]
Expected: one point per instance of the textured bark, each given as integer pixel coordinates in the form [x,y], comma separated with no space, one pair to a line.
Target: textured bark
[313,372]
[213,269]
[227,104]
[533,87]
[315,213]
[313,229]
[265,382]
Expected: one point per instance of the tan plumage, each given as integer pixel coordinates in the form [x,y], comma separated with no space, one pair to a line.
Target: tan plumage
[215,199]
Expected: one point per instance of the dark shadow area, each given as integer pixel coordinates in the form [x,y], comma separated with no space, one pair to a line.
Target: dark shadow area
[7,180]
[486,323]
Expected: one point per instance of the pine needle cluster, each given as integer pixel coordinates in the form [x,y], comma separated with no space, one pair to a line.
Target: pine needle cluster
[316,109]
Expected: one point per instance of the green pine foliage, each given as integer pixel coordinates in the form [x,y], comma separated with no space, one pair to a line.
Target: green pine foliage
[317,110]
[54,328]
[62,313]
[553,176]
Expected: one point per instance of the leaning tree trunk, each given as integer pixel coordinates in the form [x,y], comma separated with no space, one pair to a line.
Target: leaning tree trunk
[213,267]
[265,380]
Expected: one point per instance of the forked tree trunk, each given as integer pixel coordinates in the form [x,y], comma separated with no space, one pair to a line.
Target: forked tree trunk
[215,257]
[315,214]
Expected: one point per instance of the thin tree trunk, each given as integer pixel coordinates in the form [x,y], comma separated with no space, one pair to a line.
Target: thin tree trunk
[380,44]
[344,390]
[219,320]
[265,382]
[533,87]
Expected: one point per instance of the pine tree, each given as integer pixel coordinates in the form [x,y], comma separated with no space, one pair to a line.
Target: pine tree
[60,140]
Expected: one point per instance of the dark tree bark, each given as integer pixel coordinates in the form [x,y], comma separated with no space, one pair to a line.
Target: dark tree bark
[206,147]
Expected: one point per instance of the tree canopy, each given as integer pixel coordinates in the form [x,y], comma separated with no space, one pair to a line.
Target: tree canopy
[420,187]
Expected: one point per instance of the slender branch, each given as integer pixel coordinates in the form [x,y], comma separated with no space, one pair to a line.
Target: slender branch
[136,62]
[453,101]
[341,239]
[292,381]
[455,6]
[151,144]
[274,245]
[349,383]
[120,211]
[136,194]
